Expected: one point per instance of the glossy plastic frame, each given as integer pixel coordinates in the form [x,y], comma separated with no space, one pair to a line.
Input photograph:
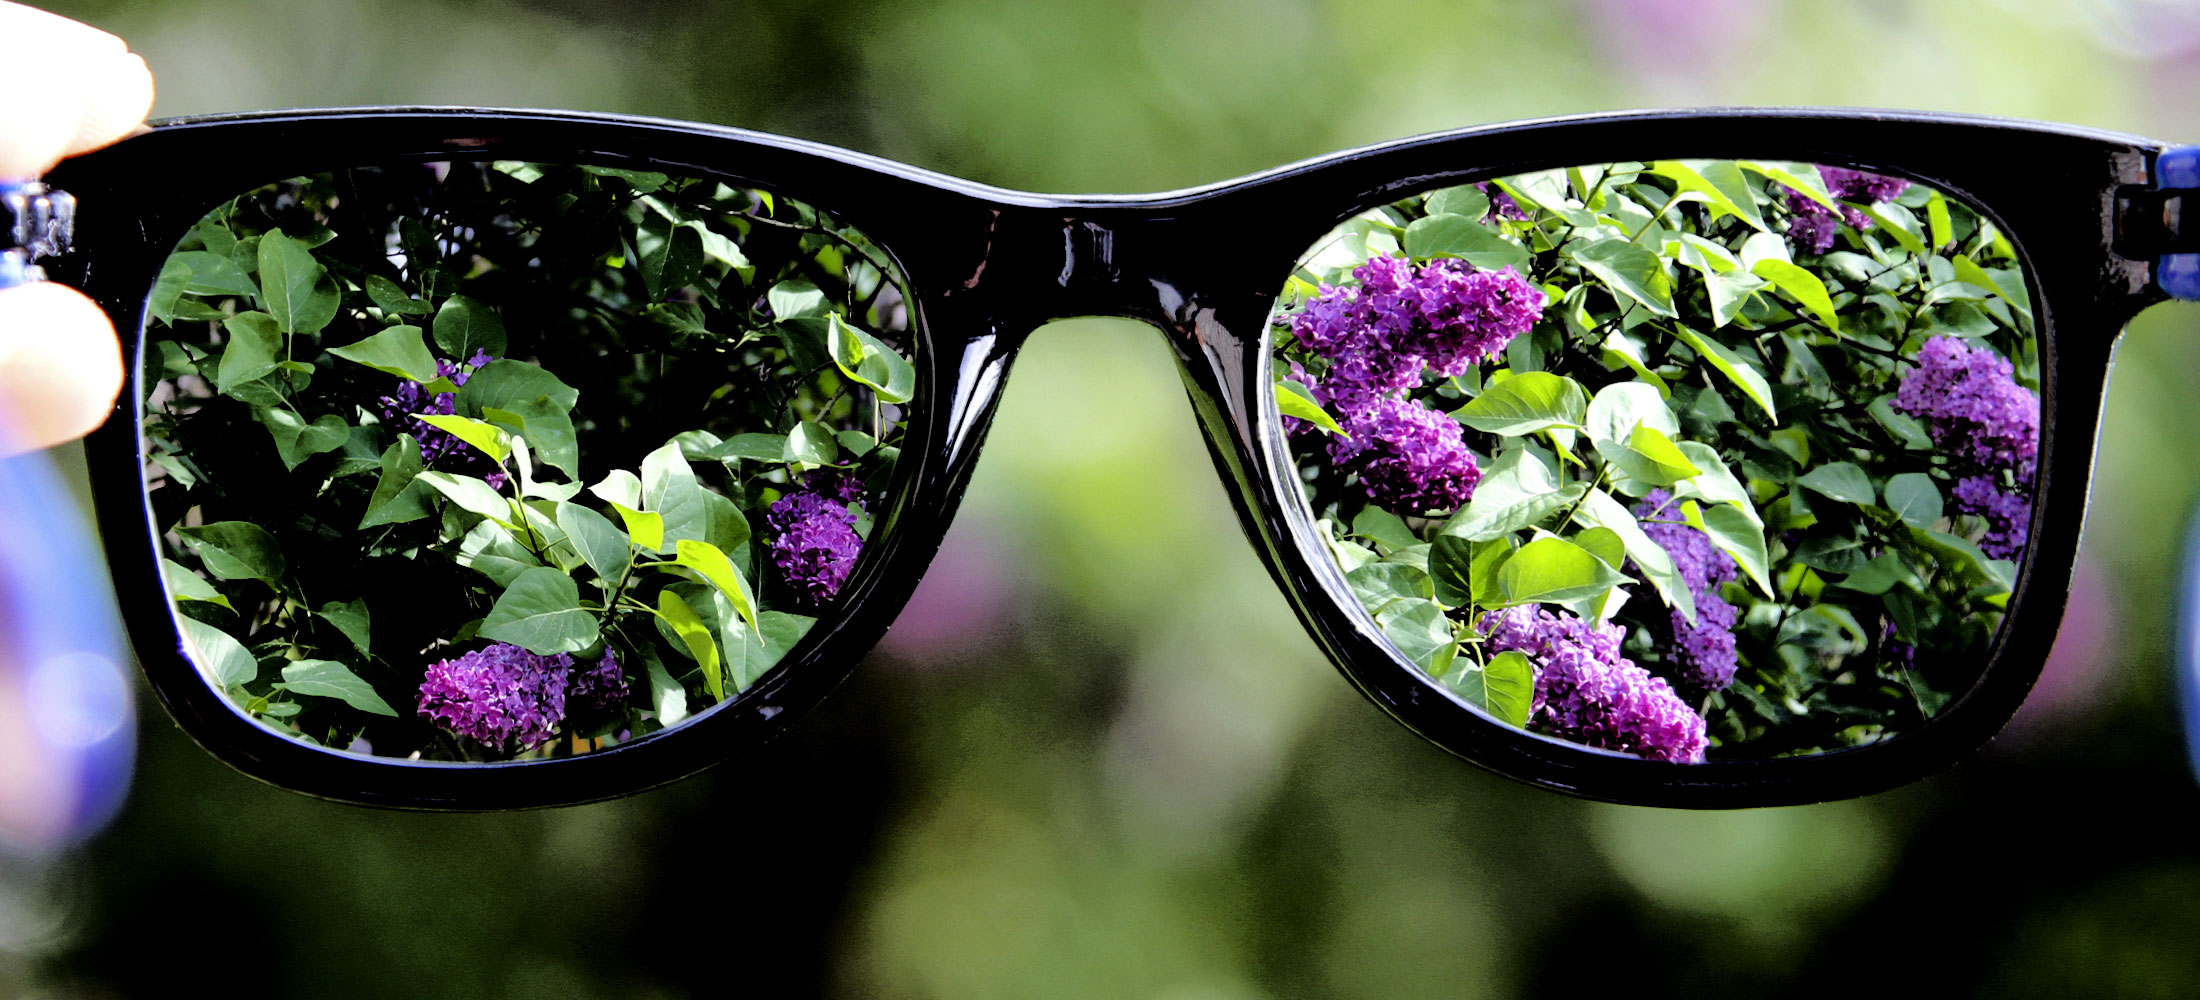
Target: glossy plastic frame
[987,266]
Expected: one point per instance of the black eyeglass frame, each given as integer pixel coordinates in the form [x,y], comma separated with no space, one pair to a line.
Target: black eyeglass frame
[987,266]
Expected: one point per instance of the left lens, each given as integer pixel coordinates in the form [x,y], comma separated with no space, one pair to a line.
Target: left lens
[479,461]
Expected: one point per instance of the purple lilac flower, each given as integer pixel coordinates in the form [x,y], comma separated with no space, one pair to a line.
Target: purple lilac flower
[1401,318]
[2008,514]
[1586,692]
[814,541]
[1409,458]
[1975,410]
[1814,227]
[1502,205]
[597,688]
[503,696]
[1973,406]
[1704,649]
[439,449]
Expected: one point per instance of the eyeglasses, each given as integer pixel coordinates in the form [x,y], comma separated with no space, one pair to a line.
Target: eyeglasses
[488,459]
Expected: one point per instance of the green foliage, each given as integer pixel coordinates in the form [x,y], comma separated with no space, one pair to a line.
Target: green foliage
[1688,347]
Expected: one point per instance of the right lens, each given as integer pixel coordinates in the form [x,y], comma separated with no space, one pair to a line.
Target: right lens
[481,461]
[1688,459]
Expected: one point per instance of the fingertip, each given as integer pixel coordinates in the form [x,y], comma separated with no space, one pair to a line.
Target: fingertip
[116,98]
[60,366]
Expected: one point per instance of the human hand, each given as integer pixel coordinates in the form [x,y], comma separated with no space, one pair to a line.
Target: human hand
[76,88]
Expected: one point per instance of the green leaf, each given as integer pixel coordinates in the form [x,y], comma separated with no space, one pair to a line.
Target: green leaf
[296,440]
[645,528]
[1526,403]
[1880,575]
[1897,222]
[696,636]
[1600,510]
[1736,368]
[236,550]
[1379,583]
[490,549]
[813,443]
[398,495]
[1621,407]
[795,298]
[607,549]
[393,299]
[330,679]
[209,273]
[505,384]
[1842,481]
[1629,270]
[620,487]
[666,477]
[1450,570]
[223,659]
[1605,544]
[1417,628]
[188,586]
[1803,177]
[868,360]
[708,560]
[398,350]
[1293,400]
[166,295]
[1914,498]
[1658,451]
[485,437]
[255,342]
[671,254]
[1503,687]
[294,288]
[1737,534]
[1729,292]
[1802,286]
[755,447]
[1382,526]
[1720,182]
[548,425]
[1942,228]
[464,327]
[1446,235]
[1965,558]
[351,619]
[1903,426]
[469,493]
[1553,570]
[541,613]
[1517,491]
[1465,199]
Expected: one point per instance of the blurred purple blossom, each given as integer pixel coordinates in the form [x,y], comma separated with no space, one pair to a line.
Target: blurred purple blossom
[439,449]
[598,687]
[1410,459]
[1814,227]
[1705,648]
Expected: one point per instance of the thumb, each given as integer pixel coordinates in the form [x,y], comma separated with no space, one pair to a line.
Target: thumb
[73,88]
[60,366]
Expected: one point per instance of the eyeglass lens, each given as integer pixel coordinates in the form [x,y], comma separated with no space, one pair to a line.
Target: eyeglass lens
[481,461]
[1689,459]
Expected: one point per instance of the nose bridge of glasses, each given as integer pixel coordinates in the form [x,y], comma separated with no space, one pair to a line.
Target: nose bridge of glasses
[1063,262]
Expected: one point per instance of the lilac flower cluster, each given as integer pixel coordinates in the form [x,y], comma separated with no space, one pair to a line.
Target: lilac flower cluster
[439,449]
[1378,336]
[1705,650]
[1586,692]
[1814,226]
[1502,205]
[1988,425]
[502,697]
[597,688]
[814,541]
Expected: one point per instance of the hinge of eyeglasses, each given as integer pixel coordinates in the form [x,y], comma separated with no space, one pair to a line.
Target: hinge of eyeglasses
[2150,222]
[35,221]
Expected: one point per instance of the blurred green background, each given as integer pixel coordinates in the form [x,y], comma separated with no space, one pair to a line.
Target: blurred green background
[1097,757]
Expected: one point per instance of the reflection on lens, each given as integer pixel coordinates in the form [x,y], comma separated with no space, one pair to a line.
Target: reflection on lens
[1686,459]
[480,461]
